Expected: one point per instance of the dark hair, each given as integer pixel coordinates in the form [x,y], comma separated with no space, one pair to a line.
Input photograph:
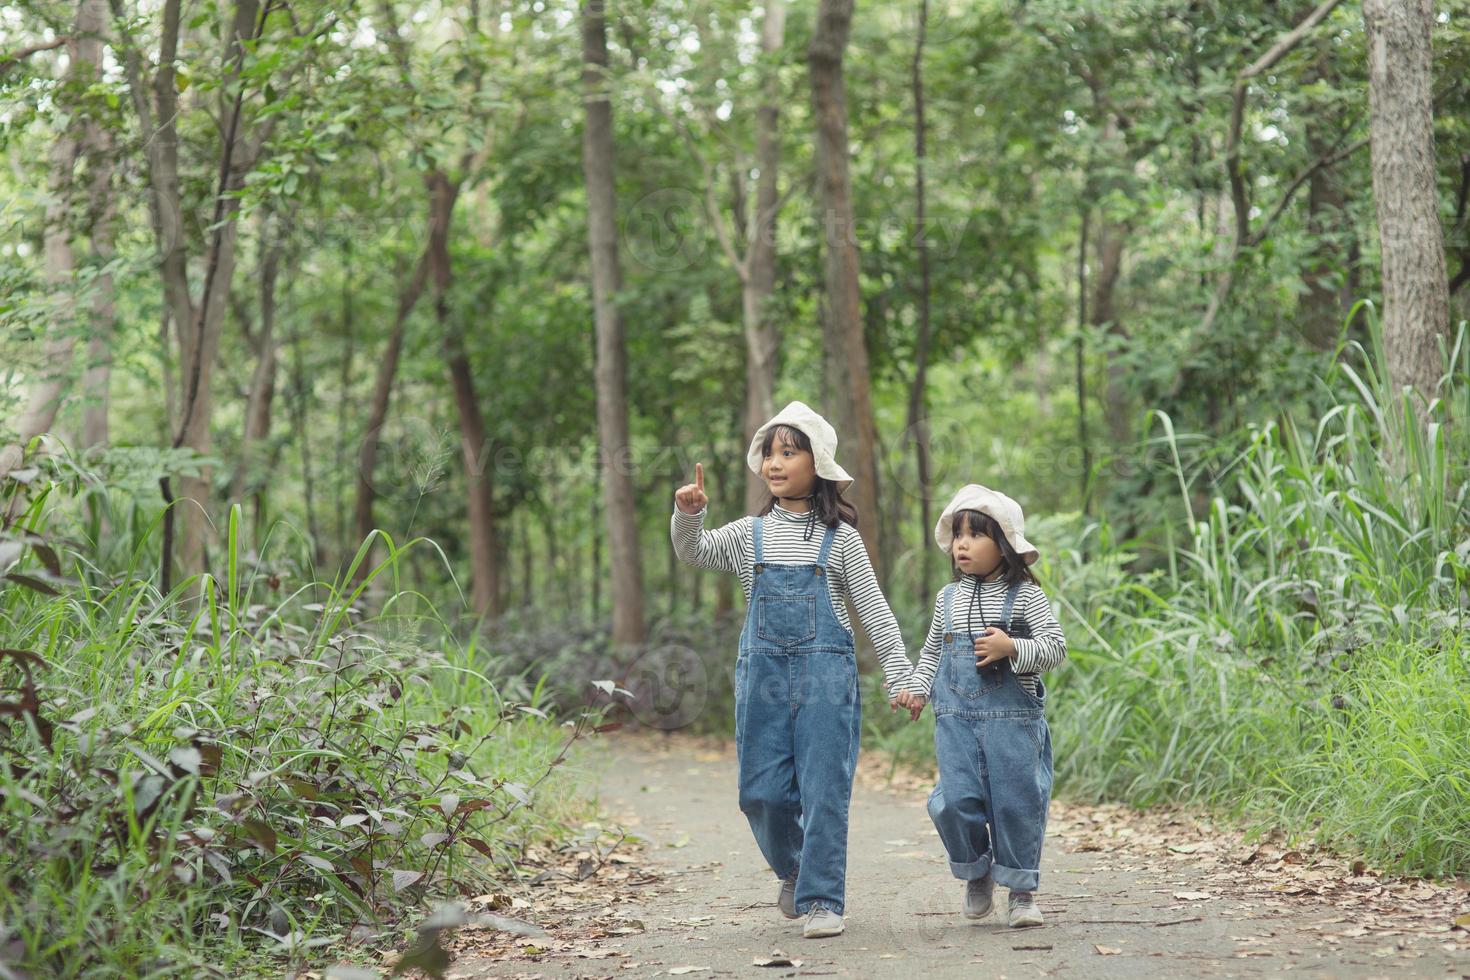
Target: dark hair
[981,523]
[827,503]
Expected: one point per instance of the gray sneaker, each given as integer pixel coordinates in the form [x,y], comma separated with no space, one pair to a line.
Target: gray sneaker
[786,900]
[821,923]
[1023,910]
[979,897]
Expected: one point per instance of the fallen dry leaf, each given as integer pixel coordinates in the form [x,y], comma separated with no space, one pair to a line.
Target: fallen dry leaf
[777,958]
[1107,950]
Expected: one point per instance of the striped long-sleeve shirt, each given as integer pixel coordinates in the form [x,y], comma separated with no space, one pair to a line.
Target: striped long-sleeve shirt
[979,604]
[783,541]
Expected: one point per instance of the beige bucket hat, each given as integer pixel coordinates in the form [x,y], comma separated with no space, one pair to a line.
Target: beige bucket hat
[1005,511]
[823,438]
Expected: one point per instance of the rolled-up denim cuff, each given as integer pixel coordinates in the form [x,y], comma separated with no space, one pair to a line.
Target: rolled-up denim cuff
[971,870]
[1016,879]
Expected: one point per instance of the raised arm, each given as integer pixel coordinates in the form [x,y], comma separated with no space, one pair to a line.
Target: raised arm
[723,548]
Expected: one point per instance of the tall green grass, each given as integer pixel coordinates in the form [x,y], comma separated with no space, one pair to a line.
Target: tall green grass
[230,777]
[1300,658]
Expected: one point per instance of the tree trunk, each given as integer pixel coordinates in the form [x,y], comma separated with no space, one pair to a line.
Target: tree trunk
[408,297]
[485,593]
[595,592]
[1084,442]
[342,468]
[611,371]
[301,391]
[845,346]
[198,325]
[1416,310]
[762,334]
[199,336]
[528,563]
[97,374]
[1111,239]
[263,381]
[199,344]
[1329,261]
[918,417]
[1326,302]
[475,451]
[45,392]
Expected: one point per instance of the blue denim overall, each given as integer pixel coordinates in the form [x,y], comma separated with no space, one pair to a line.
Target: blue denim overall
[994,754]
[797,720]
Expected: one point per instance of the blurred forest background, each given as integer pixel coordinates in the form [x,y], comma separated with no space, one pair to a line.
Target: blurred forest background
[352,353]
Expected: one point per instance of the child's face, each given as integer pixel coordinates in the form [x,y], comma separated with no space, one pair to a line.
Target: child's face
[975,554]
[788,471]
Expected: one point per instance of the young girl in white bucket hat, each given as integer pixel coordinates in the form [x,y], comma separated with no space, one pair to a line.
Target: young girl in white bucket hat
[992,635]
[797,707]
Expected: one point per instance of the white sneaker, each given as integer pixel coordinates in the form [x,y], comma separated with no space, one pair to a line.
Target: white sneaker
[1023,910]
[821,923]
[786,899]
[979,897]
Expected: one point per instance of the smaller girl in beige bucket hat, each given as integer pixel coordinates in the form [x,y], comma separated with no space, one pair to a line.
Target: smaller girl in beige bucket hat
[992,635]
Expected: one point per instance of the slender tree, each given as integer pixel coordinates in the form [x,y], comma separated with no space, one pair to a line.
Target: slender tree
[621,516]
[46,391]
[197,318]
[844,342]
[758,270]
[918,415]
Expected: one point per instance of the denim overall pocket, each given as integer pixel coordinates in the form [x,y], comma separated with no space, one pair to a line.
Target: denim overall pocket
[786,621]
[968,682]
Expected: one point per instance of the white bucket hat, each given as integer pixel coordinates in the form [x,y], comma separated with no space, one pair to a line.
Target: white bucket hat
[1005,511]
[823,438]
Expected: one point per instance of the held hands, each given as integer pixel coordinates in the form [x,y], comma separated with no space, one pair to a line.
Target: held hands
[993,647]
[907,699]
[690,498]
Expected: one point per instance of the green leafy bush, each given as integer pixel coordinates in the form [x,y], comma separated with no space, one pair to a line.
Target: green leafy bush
[200,781]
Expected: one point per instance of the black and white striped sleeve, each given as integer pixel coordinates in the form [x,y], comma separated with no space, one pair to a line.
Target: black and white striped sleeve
[921,681]
[723,549]
[872,610]
[1047,646]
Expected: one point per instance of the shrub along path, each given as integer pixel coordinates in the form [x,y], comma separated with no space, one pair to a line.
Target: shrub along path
[1158,894]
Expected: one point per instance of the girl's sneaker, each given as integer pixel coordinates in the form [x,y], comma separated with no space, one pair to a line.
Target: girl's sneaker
[979,897]
[821,923]
[1023,910]
[786,900]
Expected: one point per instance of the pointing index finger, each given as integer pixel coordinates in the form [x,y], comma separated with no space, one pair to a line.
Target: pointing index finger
[699,476]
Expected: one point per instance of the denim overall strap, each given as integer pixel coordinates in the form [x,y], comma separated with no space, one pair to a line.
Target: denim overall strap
[826,551]
[756,530]
[948,611]
[1005,613]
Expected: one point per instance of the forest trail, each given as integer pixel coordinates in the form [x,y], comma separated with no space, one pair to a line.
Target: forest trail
[1110,911]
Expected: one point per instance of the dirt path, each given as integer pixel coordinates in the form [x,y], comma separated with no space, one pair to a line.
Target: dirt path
[1110,913]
